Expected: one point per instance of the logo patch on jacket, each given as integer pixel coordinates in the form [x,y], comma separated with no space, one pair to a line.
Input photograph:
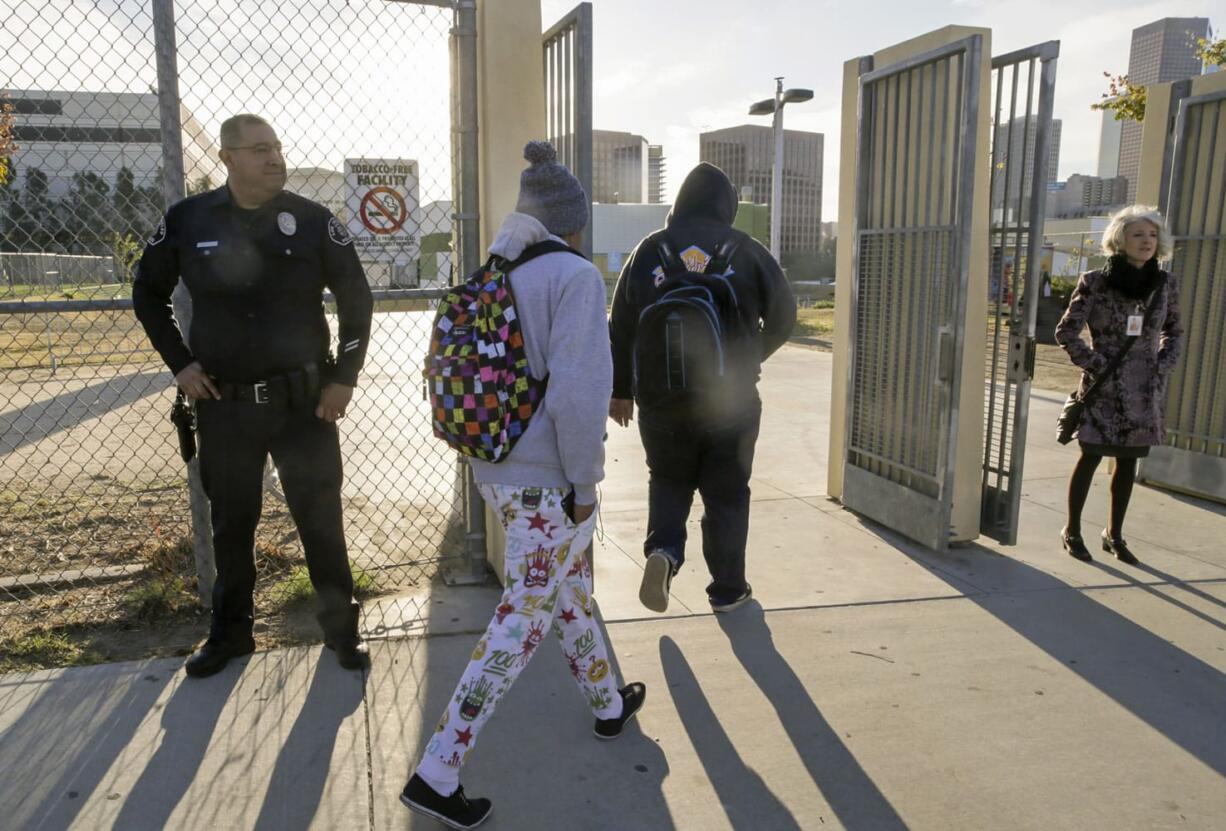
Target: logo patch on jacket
[695,259]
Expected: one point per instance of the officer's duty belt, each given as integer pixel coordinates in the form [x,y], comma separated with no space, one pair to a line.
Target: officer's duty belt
[295,388]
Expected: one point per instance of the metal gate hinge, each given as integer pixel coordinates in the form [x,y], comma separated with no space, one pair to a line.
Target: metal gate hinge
[1021,358]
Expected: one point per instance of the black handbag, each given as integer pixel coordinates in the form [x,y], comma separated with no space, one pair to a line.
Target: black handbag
[1074,406]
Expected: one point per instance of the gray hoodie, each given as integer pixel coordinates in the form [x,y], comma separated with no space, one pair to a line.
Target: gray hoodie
[560,300]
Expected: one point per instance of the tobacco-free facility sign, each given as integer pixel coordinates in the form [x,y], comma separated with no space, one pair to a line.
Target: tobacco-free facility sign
[381,201]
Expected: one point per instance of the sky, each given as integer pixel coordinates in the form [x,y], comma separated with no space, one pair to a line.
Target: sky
[369,79]
[670,70]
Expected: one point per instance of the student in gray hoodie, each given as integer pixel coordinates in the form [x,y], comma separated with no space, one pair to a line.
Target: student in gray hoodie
[544,493]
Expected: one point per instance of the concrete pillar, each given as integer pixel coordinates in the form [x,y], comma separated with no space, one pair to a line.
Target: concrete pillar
[511,91]
[511,87]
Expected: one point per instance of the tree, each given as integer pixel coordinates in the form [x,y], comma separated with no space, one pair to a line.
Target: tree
[40,220]
[1211,52]
[7,146]
[828,259]
[125,199]
[1127,100]
[91,217]
[203,184]
[126,251]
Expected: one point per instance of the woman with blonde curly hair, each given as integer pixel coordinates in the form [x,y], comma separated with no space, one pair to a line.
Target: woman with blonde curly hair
[1128,299]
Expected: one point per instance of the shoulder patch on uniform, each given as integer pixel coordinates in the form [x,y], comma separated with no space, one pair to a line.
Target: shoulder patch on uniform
[159,233]
[338,233]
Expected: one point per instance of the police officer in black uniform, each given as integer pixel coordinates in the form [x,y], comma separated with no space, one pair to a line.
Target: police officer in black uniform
[256,260]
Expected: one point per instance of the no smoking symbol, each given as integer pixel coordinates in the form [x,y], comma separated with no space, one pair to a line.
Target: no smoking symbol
[383,211]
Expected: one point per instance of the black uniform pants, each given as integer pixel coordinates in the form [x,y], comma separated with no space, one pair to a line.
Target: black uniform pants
[717,463]
[235,440]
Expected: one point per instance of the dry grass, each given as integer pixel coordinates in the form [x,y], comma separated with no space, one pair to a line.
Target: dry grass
[154,610]
[814,323]
[29,341]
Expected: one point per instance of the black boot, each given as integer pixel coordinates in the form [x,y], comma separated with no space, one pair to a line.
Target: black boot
[1076,547]
[212,658]
[1119,548]
[340,627]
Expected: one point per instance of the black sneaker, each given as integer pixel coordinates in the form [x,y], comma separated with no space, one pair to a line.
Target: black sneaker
[633,696]
[657,579]
[455,811]
[721,602]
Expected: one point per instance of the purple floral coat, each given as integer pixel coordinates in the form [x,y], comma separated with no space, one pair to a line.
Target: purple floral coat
[1127,409]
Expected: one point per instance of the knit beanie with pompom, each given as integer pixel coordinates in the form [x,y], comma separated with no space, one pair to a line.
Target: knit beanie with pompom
[549,192]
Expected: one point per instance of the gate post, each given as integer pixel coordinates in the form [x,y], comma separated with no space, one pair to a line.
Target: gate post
[467,218]
[173,191]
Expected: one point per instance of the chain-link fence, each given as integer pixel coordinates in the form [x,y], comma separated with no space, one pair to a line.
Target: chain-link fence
[94,516]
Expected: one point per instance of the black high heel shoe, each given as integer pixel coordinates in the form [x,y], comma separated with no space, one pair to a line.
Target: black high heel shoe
[1076,547]
[1117,546]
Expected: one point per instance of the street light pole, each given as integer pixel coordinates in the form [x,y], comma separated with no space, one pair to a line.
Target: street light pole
[777,172]
[774,106]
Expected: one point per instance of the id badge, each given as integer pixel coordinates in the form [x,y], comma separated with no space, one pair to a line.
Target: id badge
[1134,325]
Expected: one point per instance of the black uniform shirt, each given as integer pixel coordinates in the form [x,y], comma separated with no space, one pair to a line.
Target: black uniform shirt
[256,279]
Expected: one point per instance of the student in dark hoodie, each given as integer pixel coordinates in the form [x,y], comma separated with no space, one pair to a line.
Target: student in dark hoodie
[710,448]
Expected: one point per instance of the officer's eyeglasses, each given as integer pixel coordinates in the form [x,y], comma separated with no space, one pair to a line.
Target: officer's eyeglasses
[263,150]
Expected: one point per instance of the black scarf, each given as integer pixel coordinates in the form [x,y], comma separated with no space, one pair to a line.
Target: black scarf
[1130,281]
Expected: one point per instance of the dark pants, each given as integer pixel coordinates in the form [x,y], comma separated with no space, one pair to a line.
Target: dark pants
[235,440]
[717,463]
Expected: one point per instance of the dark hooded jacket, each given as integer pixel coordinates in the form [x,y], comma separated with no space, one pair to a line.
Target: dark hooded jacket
[700,220]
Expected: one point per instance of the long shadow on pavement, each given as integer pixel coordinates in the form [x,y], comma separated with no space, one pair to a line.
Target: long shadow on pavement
[45,417]
[58,750]
[1175,693]
[304,761]
[536,759]
[1179,584]
[746,799]
[851,792]
[188,723]
[1151,590]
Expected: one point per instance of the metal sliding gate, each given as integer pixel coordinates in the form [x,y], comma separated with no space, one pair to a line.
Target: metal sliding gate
[567,47]
[916,158]
[1021,141]
[1194,456]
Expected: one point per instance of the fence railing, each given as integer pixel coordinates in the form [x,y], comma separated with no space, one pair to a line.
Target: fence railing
[94,515]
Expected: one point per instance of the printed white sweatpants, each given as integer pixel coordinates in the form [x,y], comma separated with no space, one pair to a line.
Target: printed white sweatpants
[548,585]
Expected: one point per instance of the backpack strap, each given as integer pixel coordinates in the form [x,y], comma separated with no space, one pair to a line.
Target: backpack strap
[718,264]
[669,261]
[539,249]
[723,254]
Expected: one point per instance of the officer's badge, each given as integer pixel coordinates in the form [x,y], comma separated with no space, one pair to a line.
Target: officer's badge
[657,276]
[338,233]
[287,223]
[159,233]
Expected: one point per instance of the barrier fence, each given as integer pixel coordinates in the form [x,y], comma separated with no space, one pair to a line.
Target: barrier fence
[95,522]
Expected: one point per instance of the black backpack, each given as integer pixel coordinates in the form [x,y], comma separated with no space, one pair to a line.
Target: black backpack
[681,355]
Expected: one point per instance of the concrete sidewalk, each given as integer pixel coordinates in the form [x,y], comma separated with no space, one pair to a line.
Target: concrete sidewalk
[872,685]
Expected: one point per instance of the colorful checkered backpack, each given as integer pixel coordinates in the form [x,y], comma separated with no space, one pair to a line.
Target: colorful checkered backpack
[477,381]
